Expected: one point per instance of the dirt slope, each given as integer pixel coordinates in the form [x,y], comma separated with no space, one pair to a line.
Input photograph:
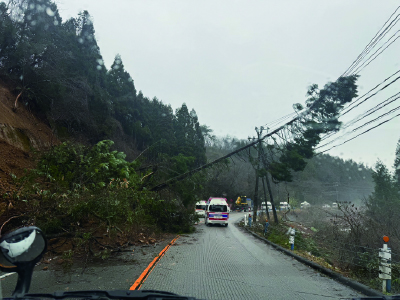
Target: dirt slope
[20,134]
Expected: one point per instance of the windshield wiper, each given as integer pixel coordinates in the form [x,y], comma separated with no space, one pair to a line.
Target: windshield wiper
[118,294]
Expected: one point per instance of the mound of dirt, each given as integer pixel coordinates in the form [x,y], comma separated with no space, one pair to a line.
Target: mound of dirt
[21,133]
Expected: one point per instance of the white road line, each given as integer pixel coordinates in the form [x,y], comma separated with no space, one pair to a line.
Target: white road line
[5,275]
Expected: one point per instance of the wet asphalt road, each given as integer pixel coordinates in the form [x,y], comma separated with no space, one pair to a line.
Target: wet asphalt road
[213,263]
[116,273]
[227,263]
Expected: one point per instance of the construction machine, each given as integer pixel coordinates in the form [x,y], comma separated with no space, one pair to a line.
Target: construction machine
[242,203]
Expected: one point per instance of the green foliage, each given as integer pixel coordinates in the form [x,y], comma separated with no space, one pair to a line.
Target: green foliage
[104,254]
[74,186]
[169,215]
[277,234]
[324,105]
[67,260]
[397,165]
[74,165]
[307,244]
[189,134]
[384,203]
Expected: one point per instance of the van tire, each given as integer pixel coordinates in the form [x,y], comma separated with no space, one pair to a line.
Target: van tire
[226,225]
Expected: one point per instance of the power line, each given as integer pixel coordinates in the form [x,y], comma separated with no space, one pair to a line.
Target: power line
[365,124]
[354,105]
[366,114]
[299,116]
[360,117]
[377,118]
[374,109]
[360,68]
[378,36]
[274,123]
[361,133]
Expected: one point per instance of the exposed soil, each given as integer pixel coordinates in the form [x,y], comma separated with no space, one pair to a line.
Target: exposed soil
[21,133]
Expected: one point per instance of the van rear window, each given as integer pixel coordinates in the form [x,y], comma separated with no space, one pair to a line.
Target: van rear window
[201,207]
[218,208]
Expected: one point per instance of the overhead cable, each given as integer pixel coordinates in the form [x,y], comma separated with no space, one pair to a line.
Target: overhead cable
[276,122]
[369,60]
[378,36]
[369,112]
[354,104]
[360,134]
[350,108]
[397,96]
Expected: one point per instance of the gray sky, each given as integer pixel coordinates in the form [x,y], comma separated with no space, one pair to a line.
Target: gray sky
[242,64]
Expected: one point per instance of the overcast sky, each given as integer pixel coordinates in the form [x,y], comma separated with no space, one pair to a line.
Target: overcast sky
[242,64]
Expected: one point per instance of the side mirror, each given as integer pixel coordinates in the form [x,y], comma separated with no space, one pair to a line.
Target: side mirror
[20,250]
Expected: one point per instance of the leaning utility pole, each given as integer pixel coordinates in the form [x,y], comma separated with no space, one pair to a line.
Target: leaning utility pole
[257,172]
[272,199]
[265,197]
[269,187]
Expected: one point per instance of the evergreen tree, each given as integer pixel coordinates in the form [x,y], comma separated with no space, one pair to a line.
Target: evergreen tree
[120,82]
[122,90]
[8,38]
[189,135]
[384,203]
[397,165]
[324,106]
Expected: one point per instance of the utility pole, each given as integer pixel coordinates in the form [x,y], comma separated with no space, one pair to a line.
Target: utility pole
[337,195]
[265,197]
[269,187]
[259,146]
[272,200]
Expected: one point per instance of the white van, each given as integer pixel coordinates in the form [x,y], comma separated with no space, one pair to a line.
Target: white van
[201,208]
[264,207]
[217,211]
[284,206]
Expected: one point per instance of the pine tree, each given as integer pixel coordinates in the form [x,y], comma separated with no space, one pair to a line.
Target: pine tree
[189,136]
